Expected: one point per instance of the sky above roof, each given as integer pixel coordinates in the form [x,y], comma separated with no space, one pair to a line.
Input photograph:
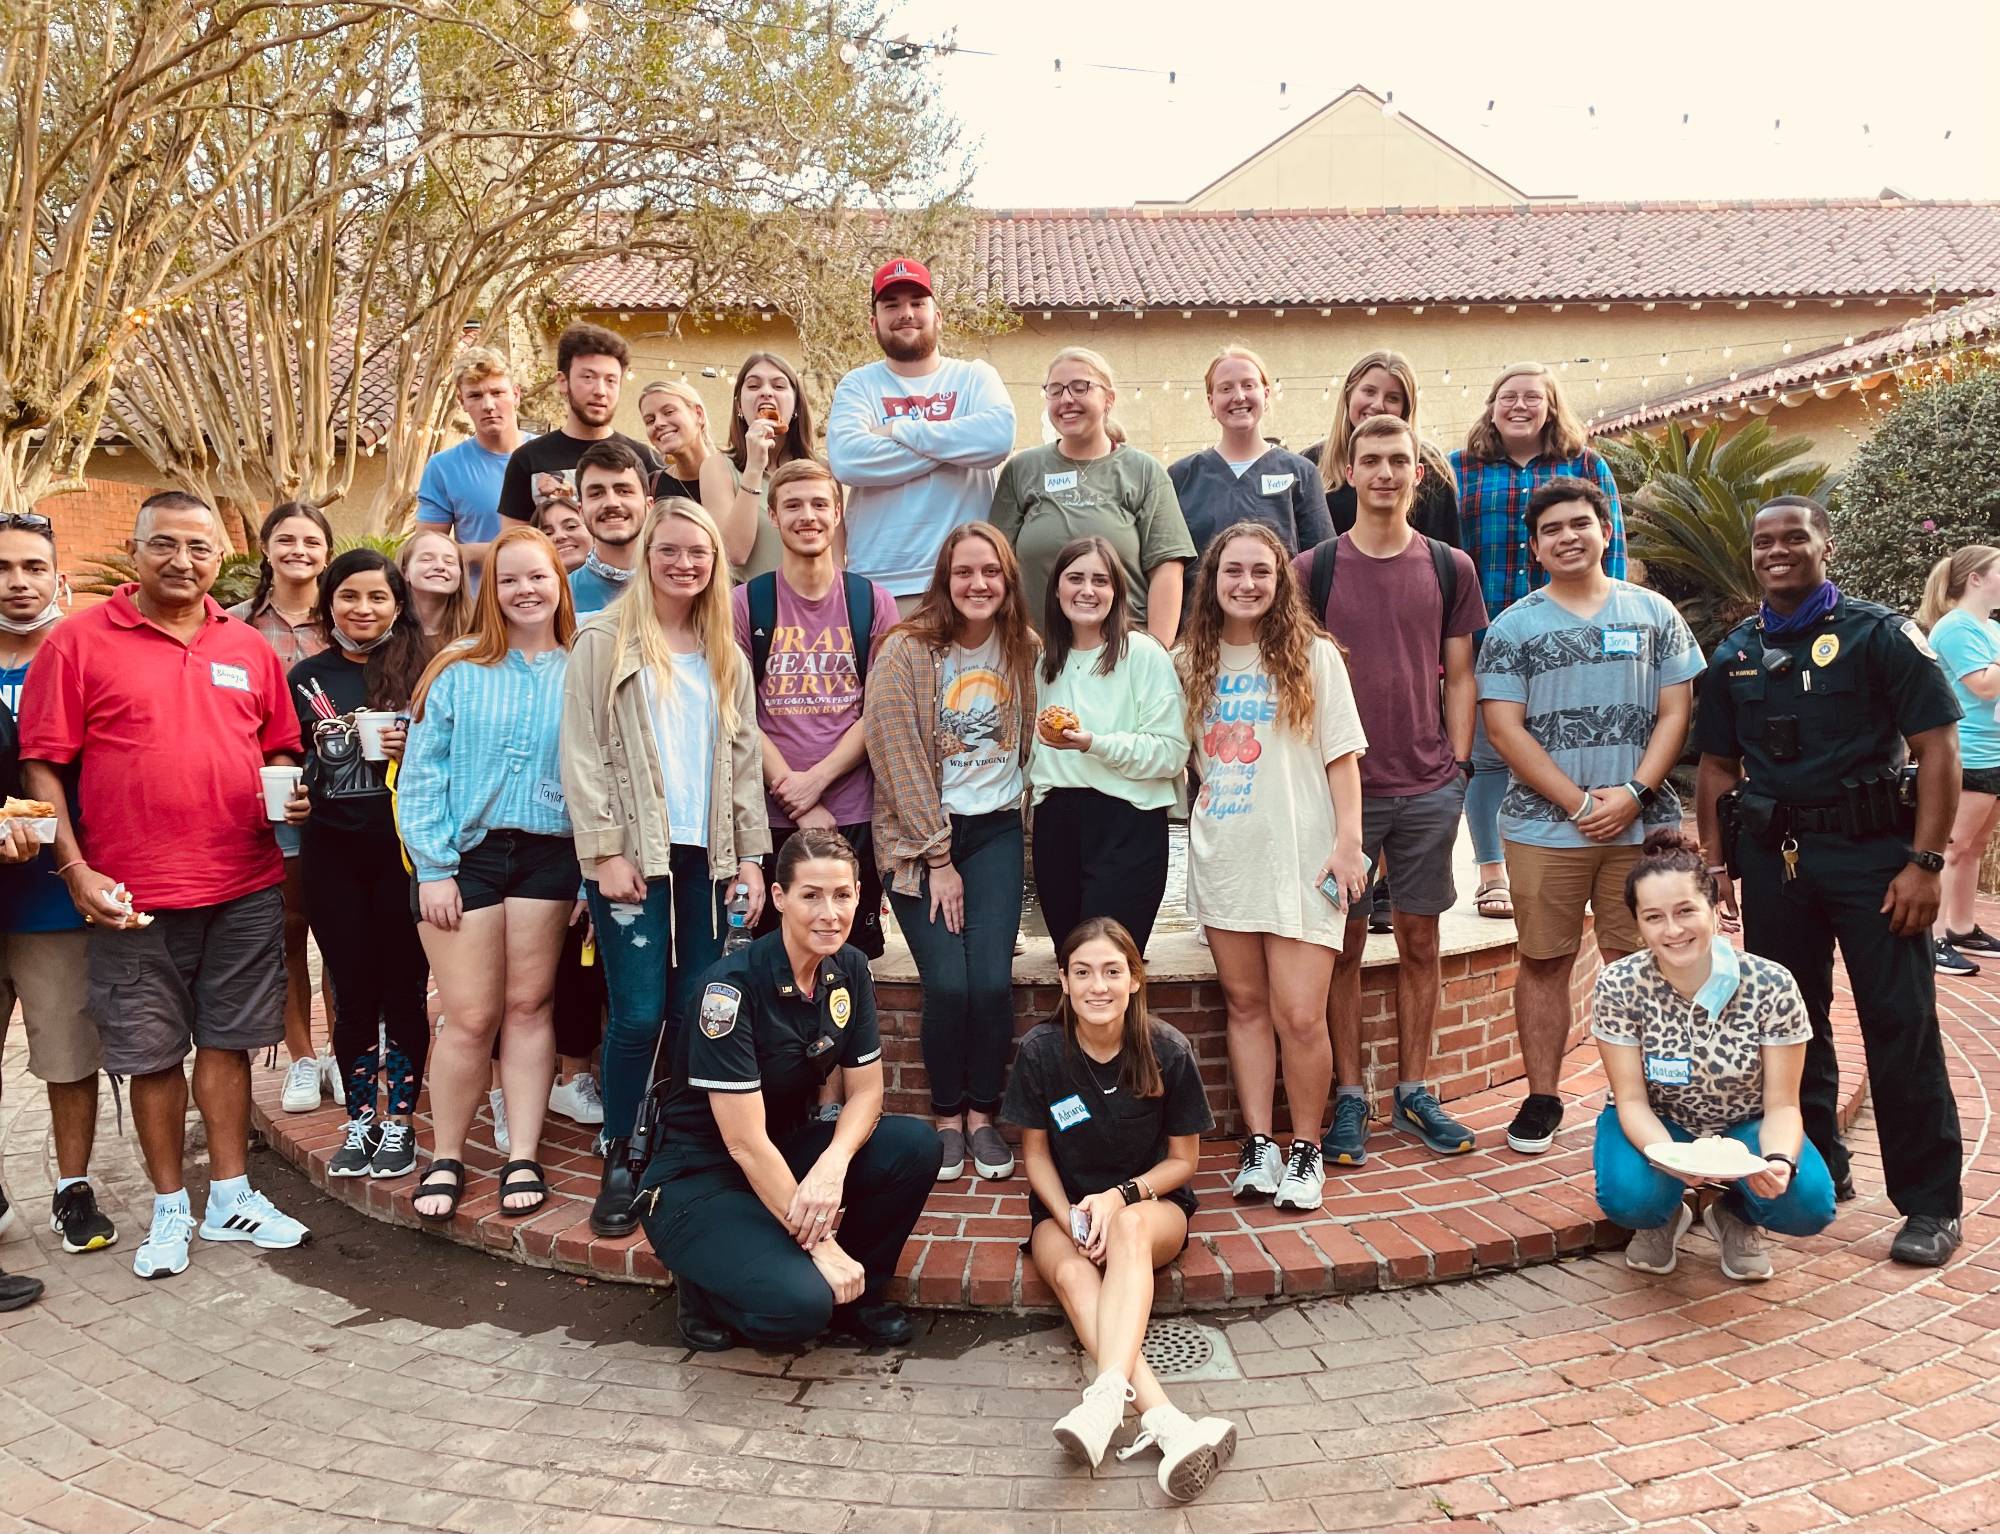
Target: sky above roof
[1839,99]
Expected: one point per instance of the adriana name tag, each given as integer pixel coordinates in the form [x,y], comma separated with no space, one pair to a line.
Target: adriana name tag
[1670,1070]
[1069,1113]
[1278,484]
[221,674]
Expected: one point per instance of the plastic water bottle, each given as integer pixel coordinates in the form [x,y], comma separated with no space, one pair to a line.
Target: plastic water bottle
[739,919]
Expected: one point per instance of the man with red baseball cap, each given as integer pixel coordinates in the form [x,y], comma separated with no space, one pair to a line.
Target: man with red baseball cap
[916,437]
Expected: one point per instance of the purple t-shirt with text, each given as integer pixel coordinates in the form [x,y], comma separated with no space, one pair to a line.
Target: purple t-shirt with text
[1388,615]
[810,695]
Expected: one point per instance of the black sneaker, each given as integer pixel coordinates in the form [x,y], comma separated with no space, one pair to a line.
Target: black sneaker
[1925,1241]
[74,1215]
[873,1323]
[1534,1128]
[6,1216]
[352,1159]
[1950,961]
[395,1151]
[17,1289]
[1978,940]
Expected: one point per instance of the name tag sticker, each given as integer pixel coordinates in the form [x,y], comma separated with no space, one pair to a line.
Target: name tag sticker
[549,792]
[1069,1113]
[1621,641]
[228,676]
[1051,483]
[1278,484]
[1669,1070]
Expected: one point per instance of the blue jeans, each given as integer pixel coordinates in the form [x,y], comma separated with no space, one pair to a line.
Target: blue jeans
[1484,793]
[1634,1193]
[652,960]
[968,976]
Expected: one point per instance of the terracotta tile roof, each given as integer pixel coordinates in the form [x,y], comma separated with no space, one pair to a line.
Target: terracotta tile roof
[1559,253]
[1829,371]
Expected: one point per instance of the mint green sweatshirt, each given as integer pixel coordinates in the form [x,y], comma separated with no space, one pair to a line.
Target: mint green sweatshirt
[1134,717]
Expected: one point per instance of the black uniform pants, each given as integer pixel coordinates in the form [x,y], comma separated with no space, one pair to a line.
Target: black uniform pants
[736,1264]
[1099,856]
[1838,896]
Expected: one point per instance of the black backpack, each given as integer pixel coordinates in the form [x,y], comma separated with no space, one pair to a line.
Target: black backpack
[1319,580]
[763,599]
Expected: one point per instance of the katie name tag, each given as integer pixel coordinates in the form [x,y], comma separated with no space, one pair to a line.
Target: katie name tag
[1278,484]
[1669,1071]
[229,676]
[1069,1113]
[1051,483]
[1621,641]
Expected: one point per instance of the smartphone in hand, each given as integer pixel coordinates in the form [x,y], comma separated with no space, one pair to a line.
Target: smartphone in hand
[1330,887]
[1079,1224]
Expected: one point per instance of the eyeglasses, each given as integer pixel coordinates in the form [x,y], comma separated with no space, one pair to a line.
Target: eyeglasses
[1521,399]
[167,548]
[1076,388]
[673,554]
[28,522]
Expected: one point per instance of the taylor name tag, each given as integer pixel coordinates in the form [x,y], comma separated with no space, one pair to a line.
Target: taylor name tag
[549,792]
[1051,483]
[1069,1113]
[1669,1070]
[1621,641]
[228,676]
[1278,484]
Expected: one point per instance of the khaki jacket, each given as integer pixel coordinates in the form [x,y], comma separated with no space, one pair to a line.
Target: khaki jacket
[611,765]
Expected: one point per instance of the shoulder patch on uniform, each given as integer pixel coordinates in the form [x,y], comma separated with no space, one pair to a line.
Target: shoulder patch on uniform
[1917,637]
[839,1008]
[719,1006]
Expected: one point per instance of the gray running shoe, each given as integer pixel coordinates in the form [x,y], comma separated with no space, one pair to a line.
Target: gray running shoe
[1659,1250]
[953,1166]
[1741,1244]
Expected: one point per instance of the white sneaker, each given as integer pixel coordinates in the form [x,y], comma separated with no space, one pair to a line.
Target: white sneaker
[253,1218]
[1191,1453]
[502,1142]
[1260,1171]
[329,1069]
[164,1252]
[302,1085]
[1305,1178]
[1086,1428]
[577,1100]
[1739,1244]
[1659,1250]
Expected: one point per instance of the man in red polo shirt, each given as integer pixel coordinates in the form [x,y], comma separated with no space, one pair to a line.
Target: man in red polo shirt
[168,708]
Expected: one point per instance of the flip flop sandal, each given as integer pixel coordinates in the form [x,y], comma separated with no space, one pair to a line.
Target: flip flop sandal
[455,1190]
[1496,896]
[536,1184]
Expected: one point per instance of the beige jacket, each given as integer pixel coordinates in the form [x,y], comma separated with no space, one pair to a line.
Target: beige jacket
[611,765]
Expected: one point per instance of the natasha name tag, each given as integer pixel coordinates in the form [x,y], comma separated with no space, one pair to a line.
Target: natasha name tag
[1669,1070]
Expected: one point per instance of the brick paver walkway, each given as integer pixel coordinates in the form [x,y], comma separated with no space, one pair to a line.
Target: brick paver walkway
[250,1394]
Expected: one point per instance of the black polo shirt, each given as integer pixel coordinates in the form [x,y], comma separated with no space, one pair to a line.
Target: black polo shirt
[748,1028]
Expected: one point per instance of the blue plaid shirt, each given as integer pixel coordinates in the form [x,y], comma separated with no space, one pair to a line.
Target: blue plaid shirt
[1493,500]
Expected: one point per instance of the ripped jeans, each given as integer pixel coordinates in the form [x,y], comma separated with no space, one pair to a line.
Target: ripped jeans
[653,955]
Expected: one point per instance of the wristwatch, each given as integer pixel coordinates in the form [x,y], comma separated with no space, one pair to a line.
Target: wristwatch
[1638,791]
[1929,862]
[1129,1191]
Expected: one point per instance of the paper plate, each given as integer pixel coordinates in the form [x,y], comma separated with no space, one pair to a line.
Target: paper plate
[1715,1156]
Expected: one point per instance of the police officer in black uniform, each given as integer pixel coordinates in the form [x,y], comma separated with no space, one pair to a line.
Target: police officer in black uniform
[1815,697]
[777,1225]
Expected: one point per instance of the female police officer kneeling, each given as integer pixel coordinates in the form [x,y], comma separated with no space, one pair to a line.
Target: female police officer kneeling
[744,1201]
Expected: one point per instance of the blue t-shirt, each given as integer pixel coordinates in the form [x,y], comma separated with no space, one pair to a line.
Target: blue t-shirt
[461,490]
[591,592]
[1964,644]
[1591,687]
[32,898]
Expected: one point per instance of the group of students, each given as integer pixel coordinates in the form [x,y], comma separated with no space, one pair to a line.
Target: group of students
[636,693]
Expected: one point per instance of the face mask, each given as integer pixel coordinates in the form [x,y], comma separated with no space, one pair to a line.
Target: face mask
[355,647]
[36,624]
[611,573]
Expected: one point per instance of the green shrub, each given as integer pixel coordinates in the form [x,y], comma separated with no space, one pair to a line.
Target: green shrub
[1926,484]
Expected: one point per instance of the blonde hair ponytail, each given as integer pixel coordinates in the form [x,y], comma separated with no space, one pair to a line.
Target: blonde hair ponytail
[1948,579]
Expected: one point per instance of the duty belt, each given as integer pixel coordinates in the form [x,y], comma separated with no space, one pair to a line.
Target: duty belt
[1795,819]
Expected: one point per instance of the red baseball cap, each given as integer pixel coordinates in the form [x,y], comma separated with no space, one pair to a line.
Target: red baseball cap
[902,269]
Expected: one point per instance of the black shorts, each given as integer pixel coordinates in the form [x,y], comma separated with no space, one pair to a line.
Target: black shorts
[1181,1198]
[514,865]
[1979,780]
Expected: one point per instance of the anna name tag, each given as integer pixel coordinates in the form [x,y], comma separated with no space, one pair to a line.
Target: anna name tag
[1054,483]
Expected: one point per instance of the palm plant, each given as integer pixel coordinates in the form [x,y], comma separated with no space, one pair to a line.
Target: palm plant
[1689,501]
[103,575]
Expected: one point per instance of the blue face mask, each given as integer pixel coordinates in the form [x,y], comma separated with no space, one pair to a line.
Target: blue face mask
[355,646]
[1719,989]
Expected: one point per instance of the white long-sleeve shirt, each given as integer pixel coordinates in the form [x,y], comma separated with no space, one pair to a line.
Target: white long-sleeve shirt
[949,432]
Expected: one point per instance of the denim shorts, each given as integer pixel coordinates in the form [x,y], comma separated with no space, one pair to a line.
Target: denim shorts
[514,865]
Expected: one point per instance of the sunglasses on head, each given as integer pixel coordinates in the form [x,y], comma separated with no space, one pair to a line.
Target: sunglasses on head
[27,521]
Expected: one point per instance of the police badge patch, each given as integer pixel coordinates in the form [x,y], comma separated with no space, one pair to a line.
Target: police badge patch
[839,1008]
[1916,637]
[719,1005]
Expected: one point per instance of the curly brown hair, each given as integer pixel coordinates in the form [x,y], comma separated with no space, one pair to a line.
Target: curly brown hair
[1285,636]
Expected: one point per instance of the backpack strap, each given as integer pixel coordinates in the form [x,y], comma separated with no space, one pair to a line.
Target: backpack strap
[1319,576]
[763,603]
[1447,574]
[860,619]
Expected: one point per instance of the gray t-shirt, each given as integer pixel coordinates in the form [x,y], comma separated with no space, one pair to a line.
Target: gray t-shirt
[1591,687]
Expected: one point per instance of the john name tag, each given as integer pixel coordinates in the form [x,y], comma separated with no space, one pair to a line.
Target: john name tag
[1669,1070]
[222,675]
[1621,641]
[1069,1113]
[1052,483]
[1278,484]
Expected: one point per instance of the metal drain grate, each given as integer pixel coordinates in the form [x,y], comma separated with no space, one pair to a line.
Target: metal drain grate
[1181,1350]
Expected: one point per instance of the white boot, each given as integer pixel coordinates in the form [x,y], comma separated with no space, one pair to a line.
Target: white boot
[1086,1428]
[1191,1453]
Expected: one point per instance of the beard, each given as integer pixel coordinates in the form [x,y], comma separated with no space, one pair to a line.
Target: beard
[908,345]
[593,415]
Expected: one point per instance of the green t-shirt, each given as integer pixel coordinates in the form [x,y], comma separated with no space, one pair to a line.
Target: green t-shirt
[1044,499]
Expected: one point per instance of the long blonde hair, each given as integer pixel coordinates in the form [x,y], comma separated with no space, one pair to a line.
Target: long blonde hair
[1285,636]
[1948,579]
[1097,364]
[458,606]
[637,621]
[484,643]
[1340,435]
[1562,432]
[689,396]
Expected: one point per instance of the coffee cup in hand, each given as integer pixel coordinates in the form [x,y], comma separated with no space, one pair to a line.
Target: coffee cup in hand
[278,784]
[369,723]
